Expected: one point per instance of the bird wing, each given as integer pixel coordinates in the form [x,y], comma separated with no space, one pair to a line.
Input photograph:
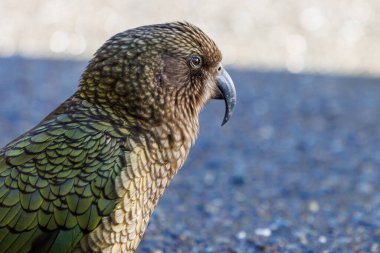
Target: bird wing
[56,183]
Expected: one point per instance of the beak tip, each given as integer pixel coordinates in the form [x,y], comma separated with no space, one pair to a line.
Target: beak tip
[226,118]
[228,93]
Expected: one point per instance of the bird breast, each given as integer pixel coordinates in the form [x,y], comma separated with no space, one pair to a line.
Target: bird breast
[151,163]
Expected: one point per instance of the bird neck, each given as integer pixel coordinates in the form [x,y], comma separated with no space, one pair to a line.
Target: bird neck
[175,129]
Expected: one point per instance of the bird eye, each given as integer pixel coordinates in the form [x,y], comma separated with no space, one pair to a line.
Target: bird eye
[195,62]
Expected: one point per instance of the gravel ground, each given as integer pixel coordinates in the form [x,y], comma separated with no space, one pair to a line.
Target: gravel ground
[295,170]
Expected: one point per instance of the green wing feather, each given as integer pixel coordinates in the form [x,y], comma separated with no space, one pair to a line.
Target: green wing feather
[56,183]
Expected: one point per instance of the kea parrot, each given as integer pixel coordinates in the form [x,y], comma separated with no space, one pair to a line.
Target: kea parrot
[88,177]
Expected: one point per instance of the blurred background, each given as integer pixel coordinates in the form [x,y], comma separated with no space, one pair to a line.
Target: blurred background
[311,35]
[297,167]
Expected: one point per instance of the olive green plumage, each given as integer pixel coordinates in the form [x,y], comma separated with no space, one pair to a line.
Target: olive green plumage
[60,175]
[87,178]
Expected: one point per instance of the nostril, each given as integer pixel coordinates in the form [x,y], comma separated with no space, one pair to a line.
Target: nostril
[219,68]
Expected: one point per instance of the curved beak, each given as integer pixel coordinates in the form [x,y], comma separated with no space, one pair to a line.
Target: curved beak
[227,92]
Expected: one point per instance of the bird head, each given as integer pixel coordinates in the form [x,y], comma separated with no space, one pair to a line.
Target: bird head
[158,73]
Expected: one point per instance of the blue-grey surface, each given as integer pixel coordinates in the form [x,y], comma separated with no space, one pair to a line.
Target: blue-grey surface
[295,170]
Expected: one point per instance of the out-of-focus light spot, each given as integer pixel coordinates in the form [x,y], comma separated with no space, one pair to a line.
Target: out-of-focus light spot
[296,47]
[360,11]
[296,44]
[77,44]
[338,35]
[295,63]
[312,19]
[350,33]
[59,42]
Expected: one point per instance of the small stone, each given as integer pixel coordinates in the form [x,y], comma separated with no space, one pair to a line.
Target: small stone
[209,178]
[375,247]
[211,209]
[313,206]
[209,250]
[365,188]
[266,132]
[266,232]
[322,239]
[301,235]
[241,235]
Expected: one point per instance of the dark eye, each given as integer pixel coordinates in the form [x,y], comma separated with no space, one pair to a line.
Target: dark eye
[195,61]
